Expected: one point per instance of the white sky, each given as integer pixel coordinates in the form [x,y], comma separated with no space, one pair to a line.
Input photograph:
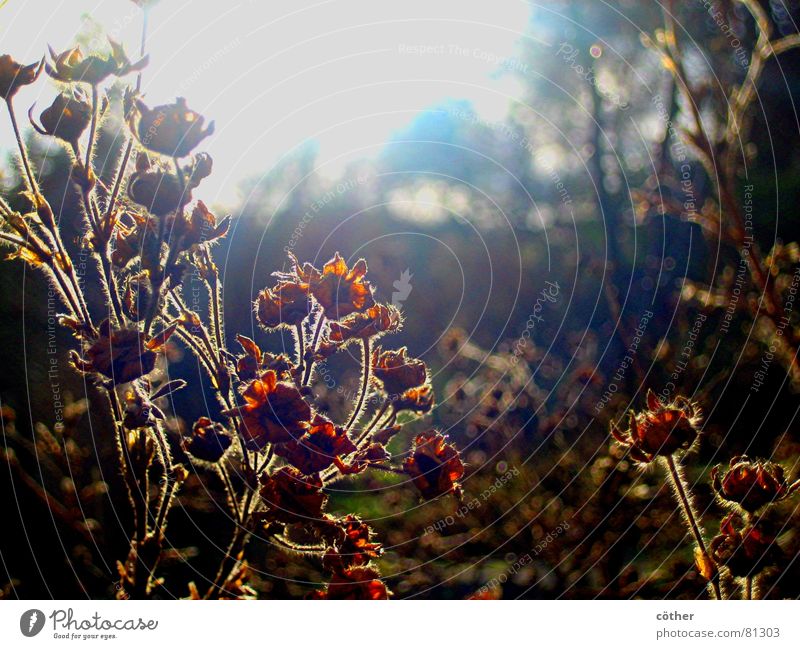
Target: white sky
[275,73]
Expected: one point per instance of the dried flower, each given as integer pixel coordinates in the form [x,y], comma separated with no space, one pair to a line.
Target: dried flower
[752,484]
[318,447]
[434,465]
[274,412]
[248,365]
[171,129]
[659,430]
[159,191]
[419,400]
[66,118]
[745,551]
[355,583]
[378,319]
[199,227]
[287,304]
[71,65]
[292,497]
[356,548]
[209,440]
[122,355]
[338,289]
[14,76]
[397,372]
[139,410]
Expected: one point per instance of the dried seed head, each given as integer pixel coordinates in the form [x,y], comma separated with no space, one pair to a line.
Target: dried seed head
[285,305]
[66,118]
[72,66]
[14,76]
[752,484]
[398,372]
[745,550]
[208,442]
[340,290]
[173,130]
[434,465]
[292,497]
[659,429]
[317,449]
[274,412]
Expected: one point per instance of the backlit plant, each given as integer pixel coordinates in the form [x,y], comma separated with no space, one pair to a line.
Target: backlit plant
[147,234]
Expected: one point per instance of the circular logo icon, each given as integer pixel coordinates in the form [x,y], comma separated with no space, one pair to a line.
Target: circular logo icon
[31,622]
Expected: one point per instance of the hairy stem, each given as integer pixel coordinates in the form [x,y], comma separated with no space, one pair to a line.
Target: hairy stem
[92,128]
[23,152]
[231,558]
[301,347]
[691,519]
[364,436]
[364,385]
[63,269]
[226,480]
[313,348]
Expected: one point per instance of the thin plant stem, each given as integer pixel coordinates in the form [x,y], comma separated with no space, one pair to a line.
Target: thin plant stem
[748,587]
[691,519]
[169,487]
[10,238]
[286,544]
[215,312]
[76,295]
[129,144]
[210,354]
[240,537]
[125,458]
[364,385]
[92,128]
[313,348]
[226,480]
[301,347]
[365,433]
[107,274]
[267,459]
[22,150]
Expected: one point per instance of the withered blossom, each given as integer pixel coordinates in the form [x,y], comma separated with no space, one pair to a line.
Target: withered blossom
[138,409]
[285,305]
[744,549]
[292,497]
[340,290]
[158,191]
[434,466]
[173,130]
[249,363]
[356,547]
[199,227]
[318,447]
[66,118]
[378,319]
[128,240]
[14,76]
[418,400]
[398,372]
[752,484]
[274,412]
[72,66]
[122,355]
[208,441]
[355,583]
[660,430]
